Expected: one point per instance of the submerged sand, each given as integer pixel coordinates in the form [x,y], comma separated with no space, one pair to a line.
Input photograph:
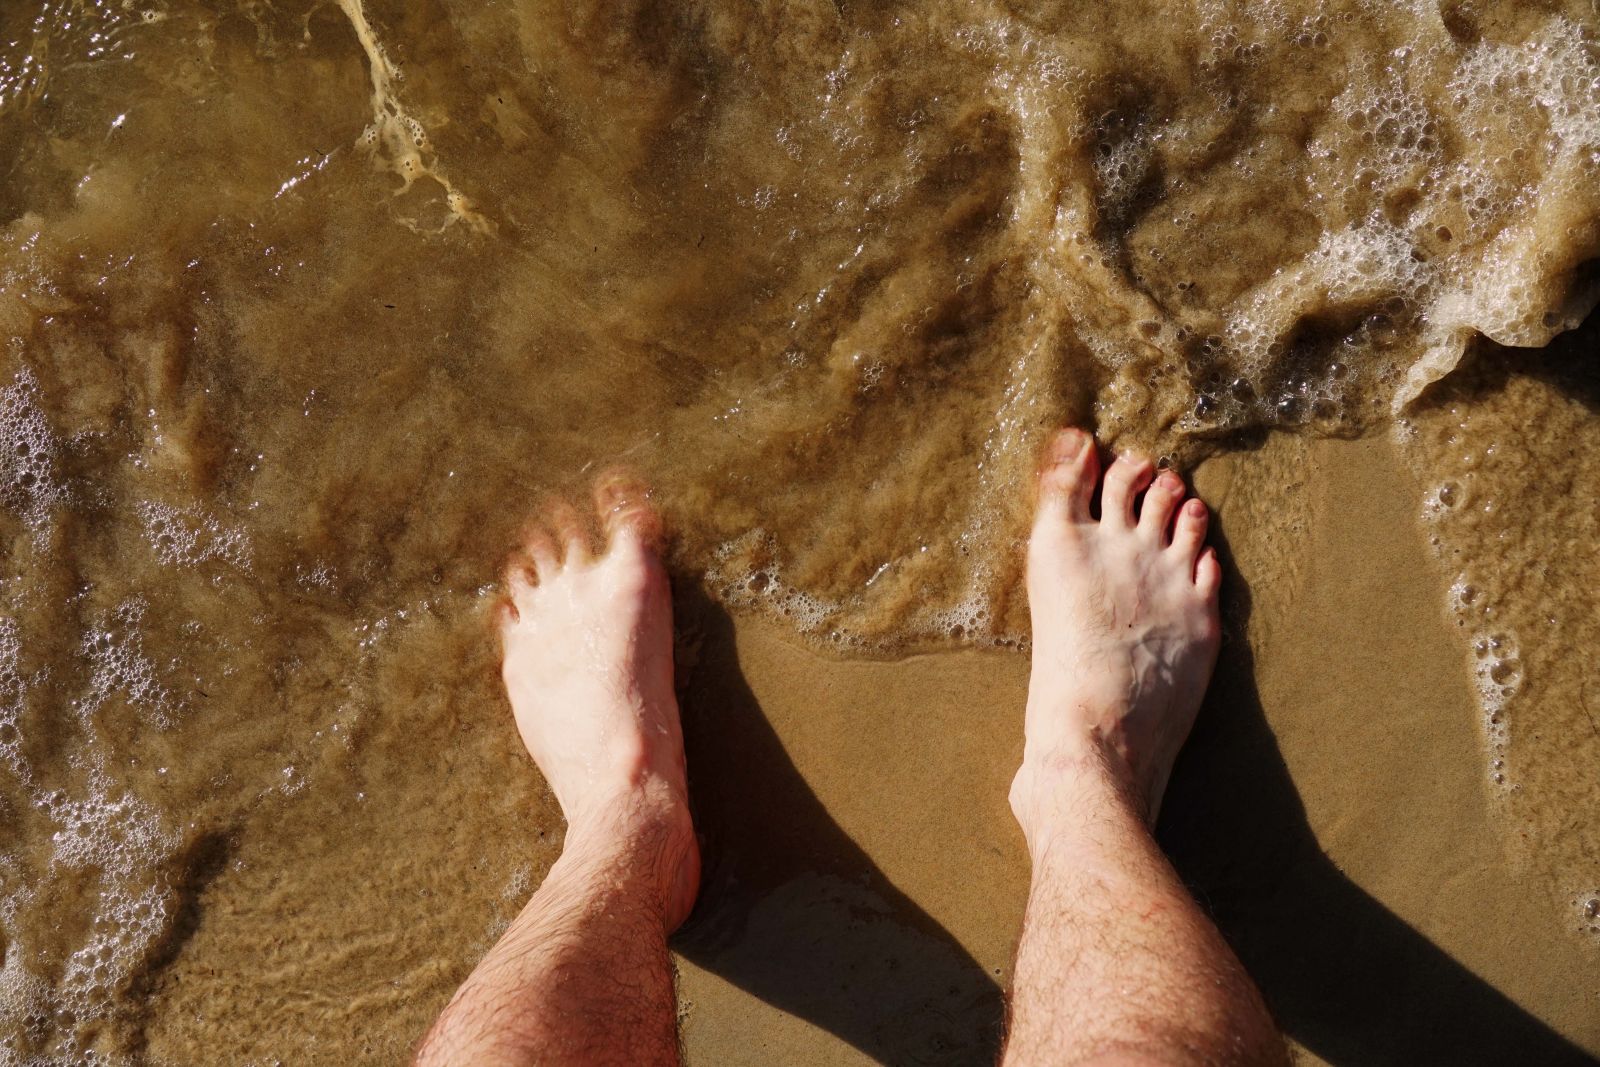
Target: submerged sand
[866,881]
[305,306]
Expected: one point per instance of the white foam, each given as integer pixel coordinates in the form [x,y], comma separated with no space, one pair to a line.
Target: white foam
[119,667]
[29,484]
[126,925]
[13,690]
[745,573]
[1497,668]
[113,841]
[118,834]
[1554,75]
[187,537]
[1121,165]
[1366,267]
[317,575]
[1398,133]
[27,1007]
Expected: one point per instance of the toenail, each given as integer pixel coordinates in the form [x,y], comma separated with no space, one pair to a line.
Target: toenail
[1195,508]
[1068,444]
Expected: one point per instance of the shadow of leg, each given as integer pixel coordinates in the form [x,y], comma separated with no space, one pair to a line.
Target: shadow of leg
[791,909]
[1345,977]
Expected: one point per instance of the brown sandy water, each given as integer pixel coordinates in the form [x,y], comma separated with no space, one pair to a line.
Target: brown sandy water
[307,305]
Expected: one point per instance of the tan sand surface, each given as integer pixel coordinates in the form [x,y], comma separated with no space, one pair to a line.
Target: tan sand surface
[1332,811]
[866,882]
[305,307]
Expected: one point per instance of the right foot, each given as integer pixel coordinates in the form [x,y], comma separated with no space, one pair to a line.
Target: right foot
[587,645]
[1125,627]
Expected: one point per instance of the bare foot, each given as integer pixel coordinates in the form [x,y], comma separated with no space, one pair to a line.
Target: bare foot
[587,642]
[1125,626]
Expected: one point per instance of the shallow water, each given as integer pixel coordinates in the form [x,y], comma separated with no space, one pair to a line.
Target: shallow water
[306,306]
[1511,443]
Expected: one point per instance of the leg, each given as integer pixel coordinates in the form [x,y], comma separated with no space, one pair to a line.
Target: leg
[582,976]
[1117,964]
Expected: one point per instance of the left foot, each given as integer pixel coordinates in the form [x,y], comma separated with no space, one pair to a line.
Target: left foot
[587,642]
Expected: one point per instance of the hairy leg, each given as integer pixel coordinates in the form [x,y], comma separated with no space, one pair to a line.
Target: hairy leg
[582,976]
[1117,964]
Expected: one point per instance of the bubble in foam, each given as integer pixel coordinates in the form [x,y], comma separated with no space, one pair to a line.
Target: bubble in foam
[13,689]
[189,537]
[745,573]
[1443,499]
[1397,133]
[29,484]
[1587,906]
[119,667]
[114,845]
[1552,79]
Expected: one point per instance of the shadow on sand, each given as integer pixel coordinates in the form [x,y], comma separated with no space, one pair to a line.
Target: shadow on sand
[795,913]
[791,909]
[1345,977]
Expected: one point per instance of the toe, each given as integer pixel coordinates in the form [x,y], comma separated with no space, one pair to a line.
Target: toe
[504,614]
[1189,532]
[1066,479]
[623,505]
[1125,479]
[539,551]
[1208,573]
[520,578]
[570,532]
[1160,501]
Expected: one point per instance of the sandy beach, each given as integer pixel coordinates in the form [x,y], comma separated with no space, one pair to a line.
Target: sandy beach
[1331,811]
[865,880]
[305,308]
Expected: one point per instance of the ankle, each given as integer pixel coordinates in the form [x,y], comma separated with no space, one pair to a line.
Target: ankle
[646,809]
[1059,791]
[645,837]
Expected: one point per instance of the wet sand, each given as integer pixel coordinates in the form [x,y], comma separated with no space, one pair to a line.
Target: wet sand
[305,306]
[866,882]
[1332,811]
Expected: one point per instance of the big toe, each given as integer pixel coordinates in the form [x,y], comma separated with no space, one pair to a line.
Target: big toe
[1067,476]
[623,505]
